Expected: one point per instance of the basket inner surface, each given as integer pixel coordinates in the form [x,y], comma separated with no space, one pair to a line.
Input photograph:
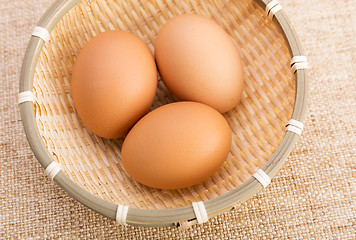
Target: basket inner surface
[257,123]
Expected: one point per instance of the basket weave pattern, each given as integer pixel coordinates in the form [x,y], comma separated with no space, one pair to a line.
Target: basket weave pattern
[257,123]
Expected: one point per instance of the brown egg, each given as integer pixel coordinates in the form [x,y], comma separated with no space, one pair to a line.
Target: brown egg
[176,145]
[114,81]
[198,61]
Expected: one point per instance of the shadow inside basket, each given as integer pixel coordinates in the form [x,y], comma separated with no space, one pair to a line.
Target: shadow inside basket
[257,122]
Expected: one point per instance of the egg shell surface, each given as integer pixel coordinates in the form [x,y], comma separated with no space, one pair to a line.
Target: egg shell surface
[198,61]
[177,145]
[114,81]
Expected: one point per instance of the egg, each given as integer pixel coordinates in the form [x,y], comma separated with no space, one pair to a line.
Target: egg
[177,145]
[114,80]
[199,61]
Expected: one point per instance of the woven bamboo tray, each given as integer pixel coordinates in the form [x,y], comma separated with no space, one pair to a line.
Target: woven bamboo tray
[91,170]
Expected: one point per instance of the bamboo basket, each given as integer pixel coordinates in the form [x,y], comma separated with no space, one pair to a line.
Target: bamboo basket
[91,171]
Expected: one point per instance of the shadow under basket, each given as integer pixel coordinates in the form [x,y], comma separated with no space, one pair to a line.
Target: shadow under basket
[265,124]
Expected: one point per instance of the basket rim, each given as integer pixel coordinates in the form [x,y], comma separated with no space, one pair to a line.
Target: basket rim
[159,217]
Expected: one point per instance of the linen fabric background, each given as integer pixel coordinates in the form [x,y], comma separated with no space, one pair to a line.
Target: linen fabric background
[312,197]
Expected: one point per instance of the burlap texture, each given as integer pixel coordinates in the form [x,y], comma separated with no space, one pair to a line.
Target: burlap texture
[312,197]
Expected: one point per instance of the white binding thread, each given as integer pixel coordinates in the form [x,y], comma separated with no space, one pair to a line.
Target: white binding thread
[296,123]
[295,126]
[294,129]
[272,8]
[25,96]
[299,62]
[52,169]
[262,177]
[41,33]
[121,214]
[200,212]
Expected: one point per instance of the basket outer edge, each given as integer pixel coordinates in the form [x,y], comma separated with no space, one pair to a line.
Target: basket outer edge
[163,217]
[276,161]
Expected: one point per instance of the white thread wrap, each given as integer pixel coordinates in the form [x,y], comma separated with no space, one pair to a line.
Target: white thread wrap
[262,177]
[296,123]
[200,212]
[294,129]
[272,8]
[41,33]
[26,96]
[295,126]
[121,214]
[52,169]
[299,62]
